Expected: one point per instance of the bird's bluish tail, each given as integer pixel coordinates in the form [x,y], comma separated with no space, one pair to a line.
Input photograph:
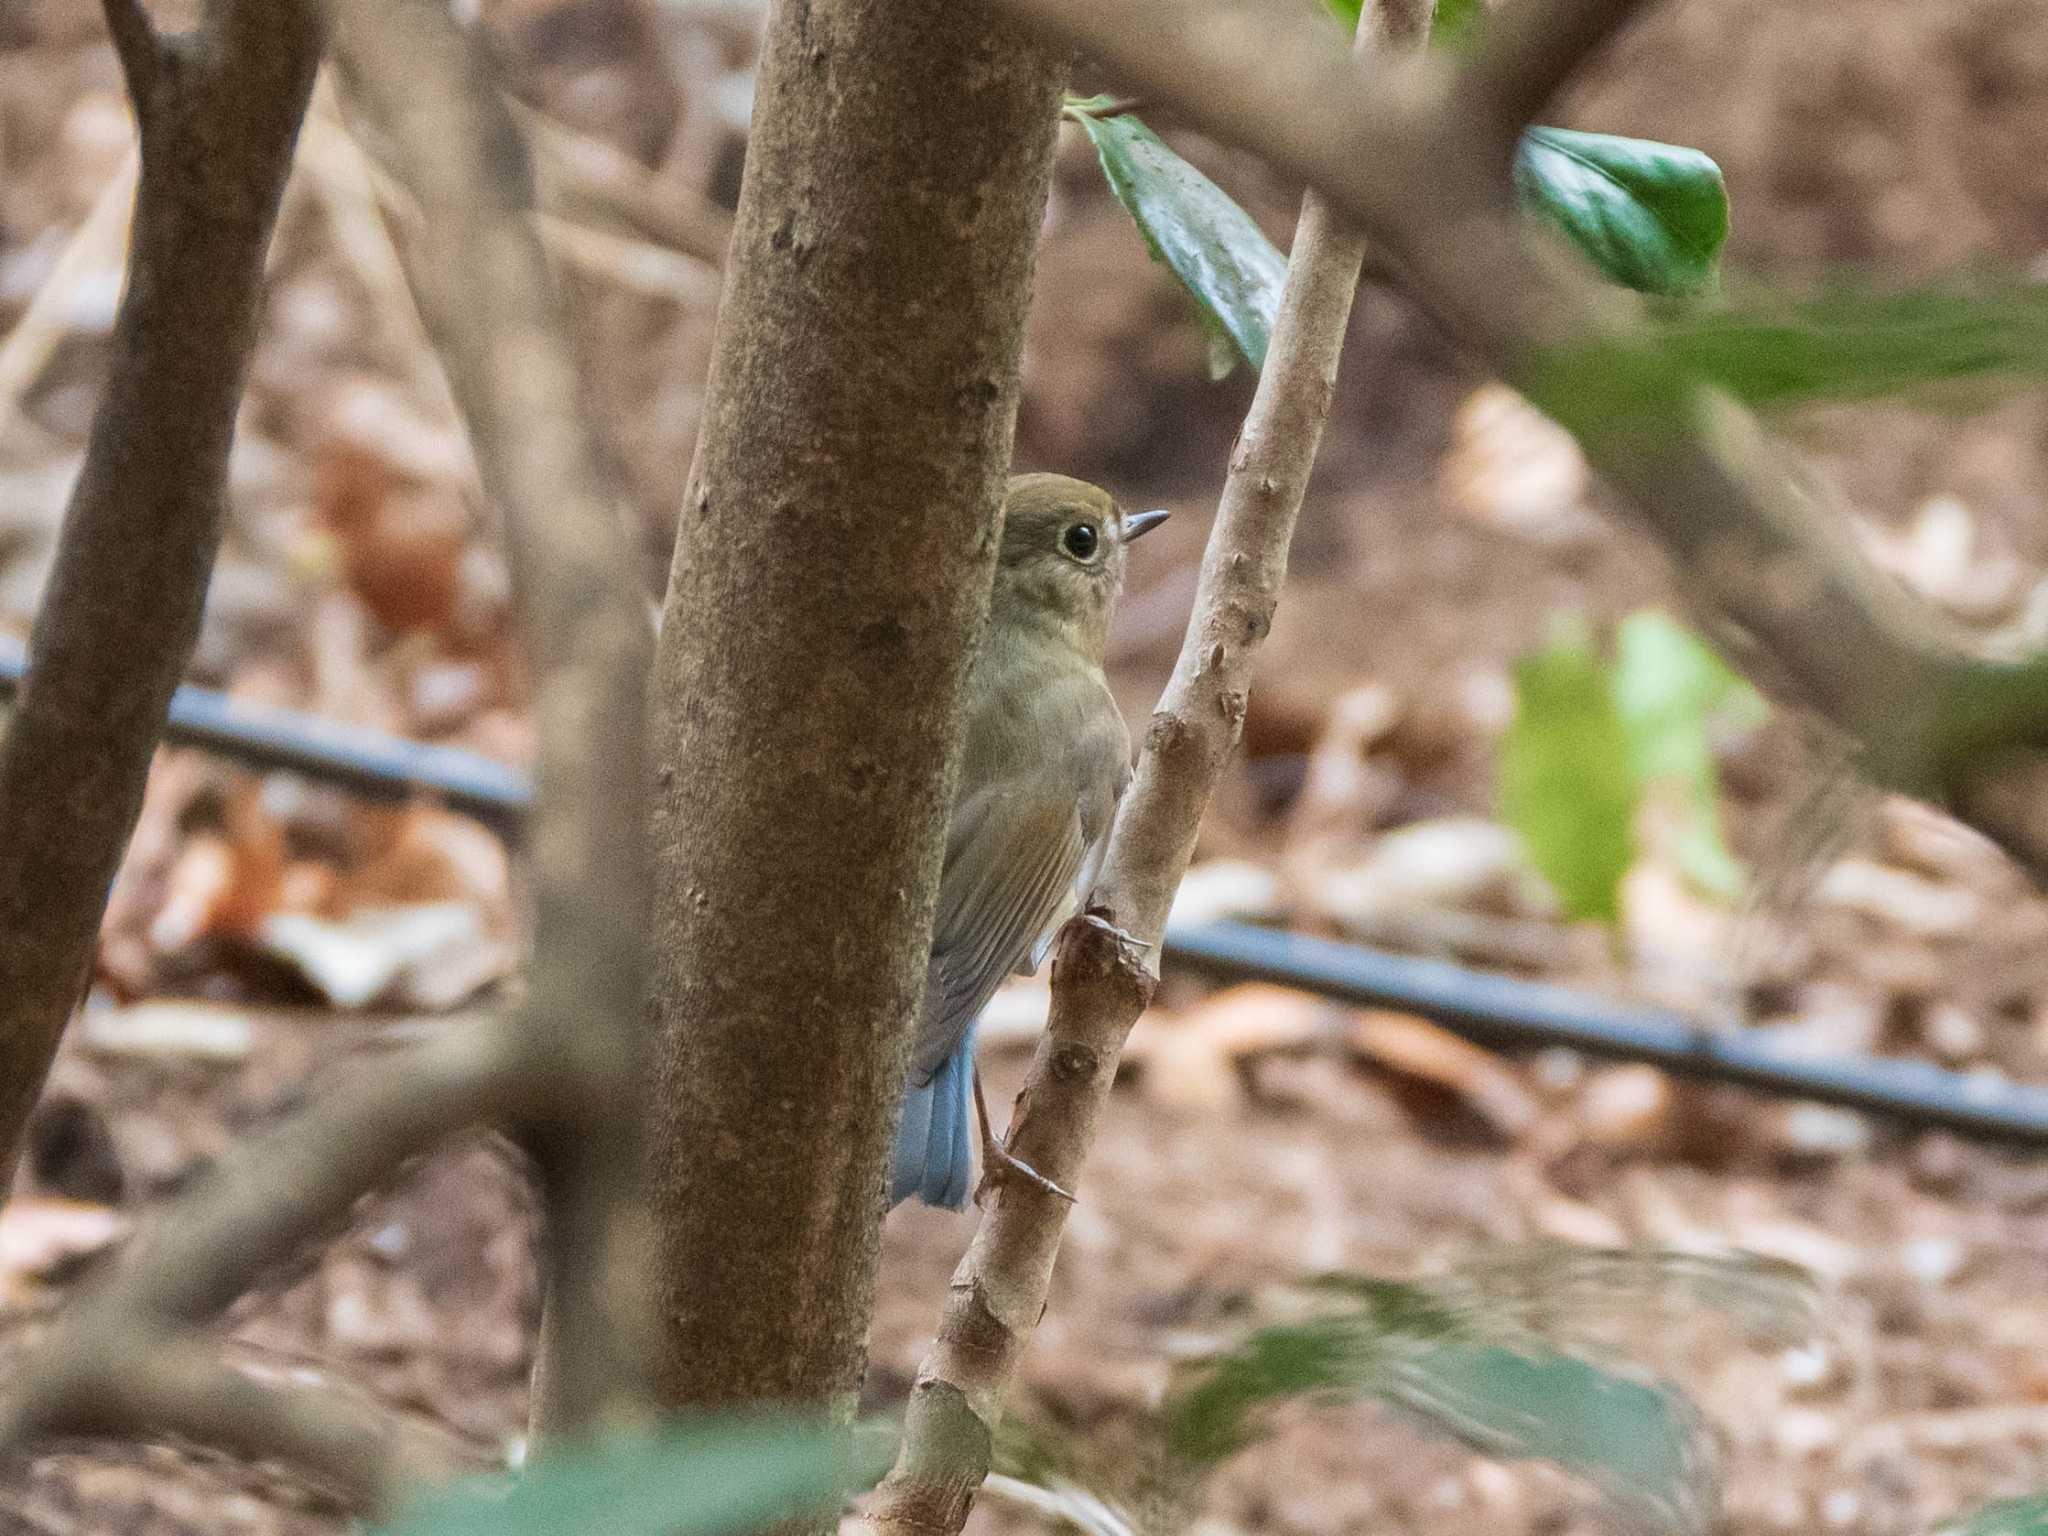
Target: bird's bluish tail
[934,1147]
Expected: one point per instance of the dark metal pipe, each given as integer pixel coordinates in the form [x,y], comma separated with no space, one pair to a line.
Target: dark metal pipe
[1496,1011]
[373,765]
[1512,1015]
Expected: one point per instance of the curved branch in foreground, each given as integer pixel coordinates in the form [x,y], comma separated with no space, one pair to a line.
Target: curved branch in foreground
[1529,50]
[1100,980]
[120,613]
[488,298]
[1777,574]
[127,1360]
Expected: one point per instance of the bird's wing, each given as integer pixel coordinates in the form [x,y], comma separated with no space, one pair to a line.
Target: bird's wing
[1012,854]
[1015,853]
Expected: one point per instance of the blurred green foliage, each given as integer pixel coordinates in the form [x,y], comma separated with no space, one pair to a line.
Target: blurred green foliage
[717,1478]
[1593,736]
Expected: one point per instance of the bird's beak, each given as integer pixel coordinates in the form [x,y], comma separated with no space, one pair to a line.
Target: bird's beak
[1138,524]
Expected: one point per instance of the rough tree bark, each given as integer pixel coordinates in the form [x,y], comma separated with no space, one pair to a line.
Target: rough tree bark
[831,576]
[218,110]
[1100,979]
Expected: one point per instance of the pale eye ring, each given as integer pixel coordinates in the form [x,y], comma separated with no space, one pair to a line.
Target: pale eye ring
[1080,541]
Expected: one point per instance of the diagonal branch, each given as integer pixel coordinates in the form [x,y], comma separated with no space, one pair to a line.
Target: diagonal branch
[125,1359]
[121,611]
[1529,49]
[1100,980]
[1783,587]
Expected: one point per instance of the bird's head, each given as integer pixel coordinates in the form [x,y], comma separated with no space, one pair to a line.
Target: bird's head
[1062,562]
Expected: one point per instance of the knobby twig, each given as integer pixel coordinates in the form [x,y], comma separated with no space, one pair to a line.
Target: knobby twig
[1101,980]
[128,1358]
[1779,579]
[218,114]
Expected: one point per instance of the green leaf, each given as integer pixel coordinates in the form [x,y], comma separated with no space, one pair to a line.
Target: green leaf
[705,1479]
[2026,1516]
[1850,344]
[1514,1355]
[1639,1441]
[1566,783]
[1455,27]
[1191,224]
[1672,692]
[1223,358]
[1346,11]
[1650,216]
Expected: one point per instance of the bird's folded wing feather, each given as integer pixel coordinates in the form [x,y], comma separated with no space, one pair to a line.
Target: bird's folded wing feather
[1010,867]
[1019,852]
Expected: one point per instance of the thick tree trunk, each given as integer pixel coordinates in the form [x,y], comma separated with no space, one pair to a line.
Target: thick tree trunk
[831,574]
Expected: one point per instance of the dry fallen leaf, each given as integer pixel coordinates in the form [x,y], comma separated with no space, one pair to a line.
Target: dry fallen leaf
[1921,907]
[166,1029]
[1458,862]
[1191,1060]
[1416,1048]
[1514,469]
[427,956]
[421,854]
[44,1239]
[1628,1109]
[1226,890]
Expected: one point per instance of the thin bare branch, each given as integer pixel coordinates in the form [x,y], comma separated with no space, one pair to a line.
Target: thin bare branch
[486,294]
[365,1455]
[1529,49]
[1780,580]
[263,1203]
[139,52]
[1101,981]
[43,326]
[124,1361]
[121,609]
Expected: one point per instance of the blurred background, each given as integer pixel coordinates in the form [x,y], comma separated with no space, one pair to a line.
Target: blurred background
[264,929]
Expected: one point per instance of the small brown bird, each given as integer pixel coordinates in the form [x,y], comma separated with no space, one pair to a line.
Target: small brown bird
[1045,758]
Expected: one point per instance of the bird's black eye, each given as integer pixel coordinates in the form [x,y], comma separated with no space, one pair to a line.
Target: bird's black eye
[1079,541]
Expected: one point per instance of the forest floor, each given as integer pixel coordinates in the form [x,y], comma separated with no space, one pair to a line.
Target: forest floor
[265,932]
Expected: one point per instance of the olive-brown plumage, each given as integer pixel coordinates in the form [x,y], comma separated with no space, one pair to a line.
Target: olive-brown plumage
[1045,757]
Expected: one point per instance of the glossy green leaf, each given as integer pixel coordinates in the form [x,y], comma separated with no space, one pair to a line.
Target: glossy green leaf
[1672,693]
[1650,216]
[1212,245]
[2026,1516]
[1566,781]
[707,1479]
